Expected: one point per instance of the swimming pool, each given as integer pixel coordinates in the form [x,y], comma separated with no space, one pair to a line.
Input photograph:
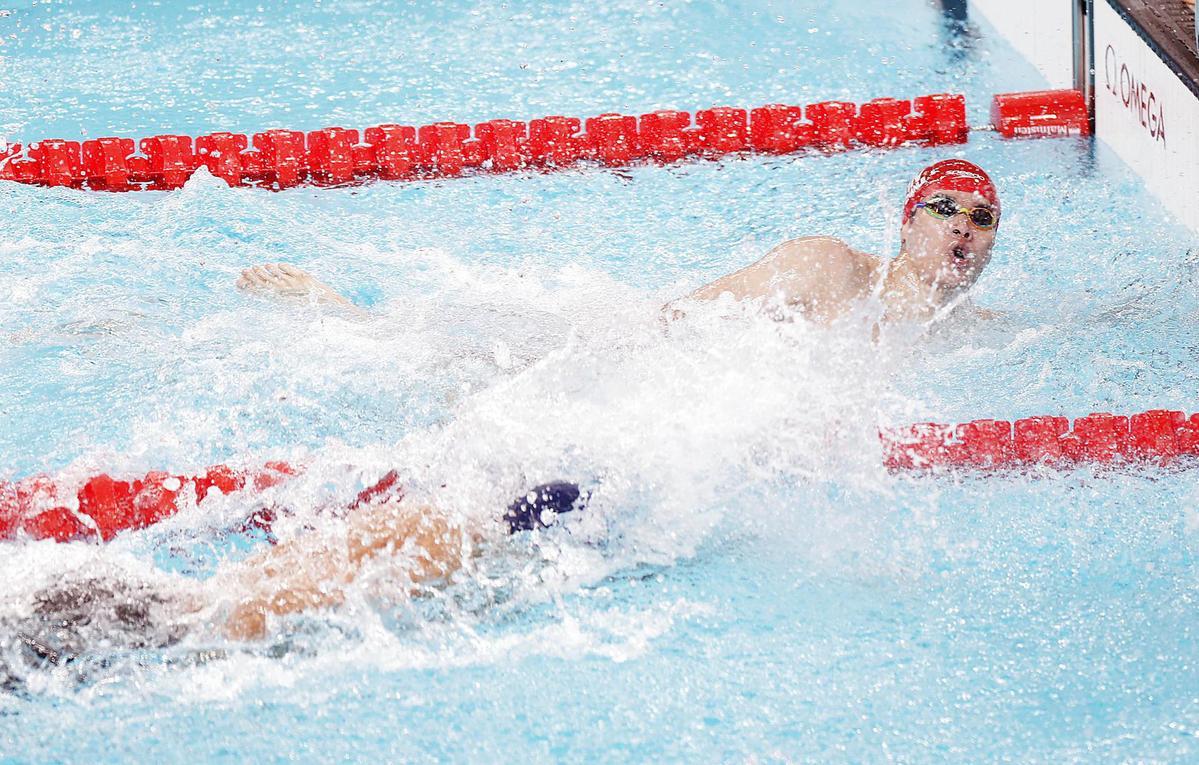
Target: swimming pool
[763,588]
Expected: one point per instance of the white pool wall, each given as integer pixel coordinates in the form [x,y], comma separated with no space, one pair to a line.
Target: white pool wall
[1144,111]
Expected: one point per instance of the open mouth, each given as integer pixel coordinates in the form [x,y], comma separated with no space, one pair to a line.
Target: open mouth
[962,261]
[962,258]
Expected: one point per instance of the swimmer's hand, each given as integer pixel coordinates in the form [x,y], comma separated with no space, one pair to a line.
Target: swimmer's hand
[287,281]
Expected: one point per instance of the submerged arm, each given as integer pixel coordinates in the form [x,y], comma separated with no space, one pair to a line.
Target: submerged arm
[314,570]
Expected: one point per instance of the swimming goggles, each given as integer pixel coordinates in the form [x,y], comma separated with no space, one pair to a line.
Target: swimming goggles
[944,208]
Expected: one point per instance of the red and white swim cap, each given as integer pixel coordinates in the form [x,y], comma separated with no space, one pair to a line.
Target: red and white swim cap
[954,175]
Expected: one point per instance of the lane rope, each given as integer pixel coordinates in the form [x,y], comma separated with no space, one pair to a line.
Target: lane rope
[101,507]
[1157,436]
[280,159]
[40,507]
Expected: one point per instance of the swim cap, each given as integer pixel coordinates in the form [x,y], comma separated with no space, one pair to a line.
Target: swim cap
[955,175]
[542,504]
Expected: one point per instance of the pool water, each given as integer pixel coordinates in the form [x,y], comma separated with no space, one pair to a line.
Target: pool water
[752,585]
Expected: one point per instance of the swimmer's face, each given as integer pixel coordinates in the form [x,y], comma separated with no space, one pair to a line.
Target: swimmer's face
[949,252]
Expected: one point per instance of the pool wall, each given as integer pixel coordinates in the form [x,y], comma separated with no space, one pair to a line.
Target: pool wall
[1040,31]
[1144,79]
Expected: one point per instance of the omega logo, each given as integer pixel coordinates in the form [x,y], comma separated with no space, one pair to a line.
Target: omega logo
[1136,96]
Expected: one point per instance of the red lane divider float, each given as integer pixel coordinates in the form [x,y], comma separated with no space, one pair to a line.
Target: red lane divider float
[37,508]
[279,159]
[1040,114]
[1158,436]
[103,507]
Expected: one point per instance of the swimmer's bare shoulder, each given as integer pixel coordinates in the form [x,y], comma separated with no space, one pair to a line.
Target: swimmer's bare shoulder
[820,276]
[824,275]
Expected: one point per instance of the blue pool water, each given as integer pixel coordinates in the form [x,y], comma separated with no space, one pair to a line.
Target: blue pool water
[759,588]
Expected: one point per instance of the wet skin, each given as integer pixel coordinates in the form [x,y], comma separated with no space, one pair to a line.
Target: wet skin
[823,278]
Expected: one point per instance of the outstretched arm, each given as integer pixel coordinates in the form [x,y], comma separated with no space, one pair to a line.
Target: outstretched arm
[287,281]
[313,571]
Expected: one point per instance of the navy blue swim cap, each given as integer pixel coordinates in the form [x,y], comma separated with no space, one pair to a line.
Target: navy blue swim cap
[538,508]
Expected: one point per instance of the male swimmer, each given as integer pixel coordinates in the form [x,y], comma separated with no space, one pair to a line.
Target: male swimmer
[402,545]
[409,543]
[950,218]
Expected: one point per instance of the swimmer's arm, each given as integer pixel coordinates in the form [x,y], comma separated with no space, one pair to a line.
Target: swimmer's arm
[306,573]
[287,281]
[824,276]
[754,281]
[739,284]
[433,545]
[312,572]
[812,274]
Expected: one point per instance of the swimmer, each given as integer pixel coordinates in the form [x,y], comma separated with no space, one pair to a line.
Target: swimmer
[950,218]
[416,544]
[412,545]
